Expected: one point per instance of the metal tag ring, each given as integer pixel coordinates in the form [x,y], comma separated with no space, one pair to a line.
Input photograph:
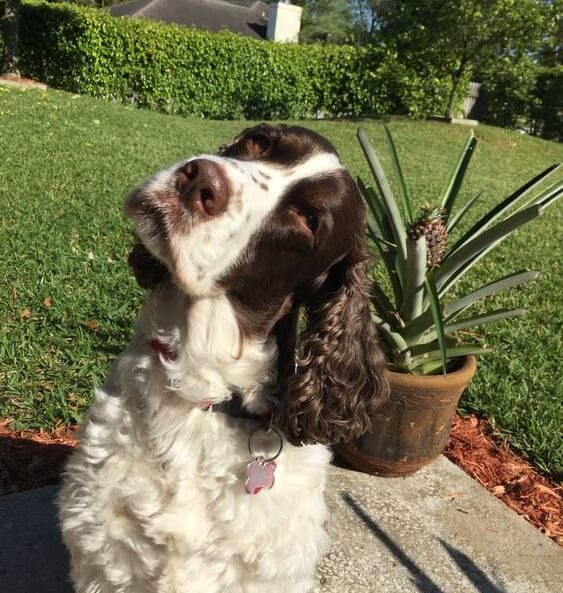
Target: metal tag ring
[267,431]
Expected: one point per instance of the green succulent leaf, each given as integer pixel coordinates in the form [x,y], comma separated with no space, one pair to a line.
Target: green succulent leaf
[549,196]
[381,240]
[455,220]
[403,192]
[429,368]
[484,318]
[480,226]
[388,256]
[459,262]
[455,180]
[395,339]
[422,324]
[413,294]
[391,211]
[376,216]
[432,345]
[436,309]
[450,353]
[381,303]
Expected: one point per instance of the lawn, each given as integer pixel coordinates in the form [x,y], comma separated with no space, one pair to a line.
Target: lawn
[67,300]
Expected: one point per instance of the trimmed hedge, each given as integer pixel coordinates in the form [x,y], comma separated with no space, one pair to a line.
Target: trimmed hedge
[216,75]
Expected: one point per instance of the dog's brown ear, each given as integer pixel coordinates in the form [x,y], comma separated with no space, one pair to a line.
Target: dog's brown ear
[339,379]
[148,271]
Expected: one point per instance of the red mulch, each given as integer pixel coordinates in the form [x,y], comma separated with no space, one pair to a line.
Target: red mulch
[475,448]
[33,459]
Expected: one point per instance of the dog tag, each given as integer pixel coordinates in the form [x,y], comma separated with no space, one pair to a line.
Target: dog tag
[259,475]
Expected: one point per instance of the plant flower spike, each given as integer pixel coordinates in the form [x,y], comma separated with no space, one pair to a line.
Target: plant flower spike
[423,264]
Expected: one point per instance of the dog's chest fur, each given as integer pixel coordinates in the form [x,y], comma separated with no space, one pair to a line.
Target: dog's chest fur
[154,498]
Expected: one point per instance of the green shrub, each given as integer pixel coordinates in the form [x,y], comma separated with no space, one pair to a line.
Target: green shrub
[547,107]
[508,89]
[215,75]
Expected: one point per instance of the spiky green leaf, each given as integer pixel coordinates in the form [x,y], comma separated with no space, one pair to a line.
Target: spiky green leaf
[450,353]
[422,324]
[413,293]
[403,192]
[432,345]
[458,263]
[394,339]
[455,179]
[454,221]
[381,302]
[388,202]
[550,196]
[485,221]
[376,215]
[490,317]
[436,309]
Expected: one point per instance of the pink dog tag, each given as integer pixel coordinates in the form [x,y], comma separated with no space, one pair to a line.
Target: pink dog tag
[259,475]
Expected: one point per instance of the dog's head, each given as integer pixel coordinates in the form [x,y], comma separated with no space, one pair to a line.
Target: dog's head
[274,221]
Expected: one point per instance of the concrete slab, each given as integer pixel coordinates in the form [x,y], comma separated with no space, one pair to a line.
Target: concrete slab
[438,531]
[435,532]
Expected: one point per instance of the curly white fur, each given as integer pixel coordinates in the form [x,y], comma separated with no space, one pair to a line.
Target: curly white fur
[153,500]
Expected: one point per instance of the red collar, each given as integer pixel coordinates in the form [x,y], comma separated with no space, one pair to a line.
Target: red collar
[163,349]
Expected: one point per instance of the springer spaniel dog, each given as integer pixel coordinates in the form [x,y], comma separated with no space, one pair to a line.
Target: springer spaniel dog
[201,465]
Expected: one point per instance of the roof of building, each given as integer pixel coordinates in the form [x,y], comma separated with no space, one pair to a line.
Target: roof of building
[242,16]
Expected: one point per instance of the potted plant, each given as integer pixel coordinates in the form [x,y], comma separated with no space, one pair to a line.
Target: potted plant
[419,320]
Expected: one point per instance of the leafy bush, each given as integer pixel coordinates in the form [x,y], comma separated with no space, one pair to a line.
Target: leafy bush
[547,108]
[216,75]
[508,90]
[525,95]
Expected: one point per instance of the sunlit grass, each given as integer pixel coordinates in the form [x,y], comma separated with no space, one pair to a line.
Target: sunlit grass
[67,300]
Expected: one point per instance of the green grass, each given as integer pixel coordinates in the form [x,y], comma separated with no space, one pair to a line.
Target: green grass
[66,162]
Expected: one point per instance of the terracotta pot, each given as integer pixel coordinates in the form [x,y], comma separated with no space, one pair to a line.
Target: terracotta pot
[412,428]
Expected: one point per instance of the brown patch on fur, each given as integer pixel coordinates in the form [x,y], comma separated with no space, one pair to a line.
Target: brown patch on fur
[339,379]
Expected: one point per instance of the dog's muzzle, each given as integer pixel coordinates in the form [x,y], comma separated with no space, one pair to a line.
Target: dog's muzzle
[203,188]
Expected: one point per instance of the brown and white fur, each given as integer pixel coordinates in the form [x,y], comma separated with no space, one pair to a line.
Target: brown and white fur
[233,245]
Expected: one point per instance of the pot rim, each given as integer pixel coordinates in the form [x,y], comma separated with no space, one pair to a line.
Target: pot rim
[464,374]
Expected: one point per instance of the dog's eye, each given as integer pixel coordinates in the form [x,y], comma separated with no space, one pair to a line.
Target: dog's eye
[258,144]
[307,220]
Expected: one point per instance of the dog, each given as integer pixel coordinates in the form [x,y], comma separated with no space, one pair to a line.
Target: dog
[201,464]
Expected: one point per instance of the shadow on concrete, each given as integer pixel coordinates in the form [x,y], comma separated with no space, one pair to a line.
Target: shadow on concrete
[419,578]
[32,556]
[480,580]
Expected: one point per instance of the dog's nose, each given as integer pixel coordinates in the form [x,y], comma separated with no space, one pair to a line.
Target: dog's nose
[202,187]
